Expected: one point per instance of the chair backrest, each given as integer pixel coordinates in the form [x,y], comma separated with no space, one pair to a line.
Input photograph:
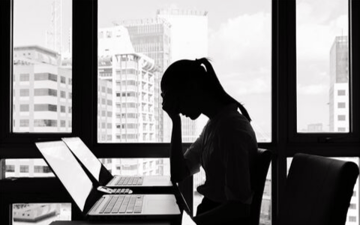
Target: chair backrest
[318,191]
[258,178]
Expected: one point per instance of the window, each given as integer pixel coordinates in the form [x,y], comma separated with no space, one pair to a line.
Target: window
[45,92]
[24,169]
[24,77]
[10,168]
[341,105]
[322,62]
[24,108]
[341,129]
[352,219]
[45,76]
[137,81]
[45,107]
[24,123]
[24,92]
[341,92]
[45,123]
[276,99]
[42,59]
[341,117]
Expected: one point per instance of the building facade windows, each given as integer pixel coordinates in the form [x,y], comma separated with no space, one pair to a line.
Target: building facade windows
[24,77]
[341,92]
[24,123]
[24,108]
[45,123]
[45,76]
[341,105]
[24,92]
[24,168]
[341,117]
[45,92]
[45,107]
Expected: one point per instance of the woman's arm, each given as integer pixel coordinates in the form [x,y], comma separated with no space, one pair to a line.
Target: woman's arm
[178,166]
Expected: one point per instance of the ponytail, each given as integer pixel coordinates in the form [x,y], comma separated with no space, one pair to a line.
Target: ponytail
[215,83]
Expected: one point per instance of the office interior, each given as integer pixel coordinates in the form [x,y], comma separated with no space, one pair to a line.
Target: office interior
[285,141]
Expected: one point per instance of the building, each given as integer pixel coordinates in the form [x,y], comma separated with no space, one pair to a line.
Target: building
[42,94]
[339,85]
[132,77]
[135,105]
[339,108]
[152,38]
[315,127]
[42,91]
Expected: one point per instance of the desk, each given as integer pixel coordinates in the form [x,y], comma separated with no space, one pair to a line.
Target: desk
[106,223]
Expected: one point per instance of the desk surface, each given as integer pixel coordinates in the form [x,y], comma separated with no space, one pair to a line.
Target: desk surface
[105,223]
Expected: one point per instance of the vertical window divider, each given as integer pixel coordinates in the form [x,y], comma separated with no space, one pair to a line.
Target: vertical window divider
[283,82]
[354,37]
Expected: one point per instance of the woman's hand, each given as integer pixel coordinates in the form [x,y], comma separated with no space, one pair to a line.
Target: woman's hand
[171,106]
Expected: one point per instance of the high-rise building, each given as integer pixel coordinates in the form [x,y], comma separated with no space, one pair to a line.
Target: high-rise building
[339,85]
[339,108]
[132,76]
[42,91]
[152,37]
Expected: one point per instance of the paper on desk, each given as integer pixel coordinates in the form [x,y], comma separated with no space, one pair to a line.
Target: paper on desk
[186,219]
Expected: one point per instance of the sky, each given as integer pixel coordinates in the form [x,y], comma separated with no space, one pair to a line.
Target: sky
[239,45]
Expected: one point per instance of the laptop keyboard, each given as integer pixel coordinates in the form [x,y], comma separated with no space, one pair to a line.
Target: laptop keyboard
[130,181]
[123,204]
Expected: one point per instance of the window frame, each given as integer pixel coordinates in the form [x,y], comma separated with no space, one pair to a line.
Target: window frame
[353,135]
[286,141]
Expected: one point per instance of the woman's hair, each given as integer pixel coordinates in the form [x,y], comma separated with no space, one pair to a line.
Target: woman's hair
[187,74]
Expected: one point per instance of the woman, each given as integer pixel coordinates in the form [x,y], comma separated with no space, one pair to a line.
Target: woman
[225,148]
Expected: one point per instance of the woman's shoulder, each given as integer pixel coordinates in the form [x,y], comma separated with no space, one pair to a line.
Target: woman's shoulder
[235,123]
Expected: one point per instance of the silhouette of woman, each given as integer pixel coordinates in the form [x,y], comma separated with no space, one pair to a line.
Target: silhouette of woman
[225,148]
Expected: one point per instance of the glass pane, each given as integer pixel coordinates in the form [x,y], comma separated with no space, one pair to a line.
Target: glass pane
[353,214]
[42,66]
[322,66]
[265,213]
[27,168]
[137,166]
[136,45]
[40,213]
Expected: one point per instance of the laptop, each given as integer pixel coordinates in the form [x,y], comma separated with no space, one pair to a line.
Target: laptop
[96,205]
[104,177]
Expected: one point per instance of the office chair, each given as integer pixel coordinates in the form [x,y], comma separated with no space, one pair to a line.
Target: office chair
[318,191]
[258,178]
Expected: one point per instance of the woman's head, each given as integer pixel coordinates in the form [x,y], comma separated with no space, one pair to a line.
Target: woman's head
[188,82]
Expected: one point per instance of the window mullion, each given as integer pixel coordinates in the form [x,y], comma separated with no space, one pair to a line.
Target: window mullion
[354,11]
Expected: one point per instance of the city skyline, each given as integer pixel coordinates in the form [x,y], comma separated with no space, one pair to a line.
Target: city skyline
[257,95]
[245,23]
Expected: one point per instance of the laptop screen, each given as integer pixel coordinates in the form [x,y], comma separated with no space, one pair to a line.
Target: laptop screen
[83,153]
[67,169]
